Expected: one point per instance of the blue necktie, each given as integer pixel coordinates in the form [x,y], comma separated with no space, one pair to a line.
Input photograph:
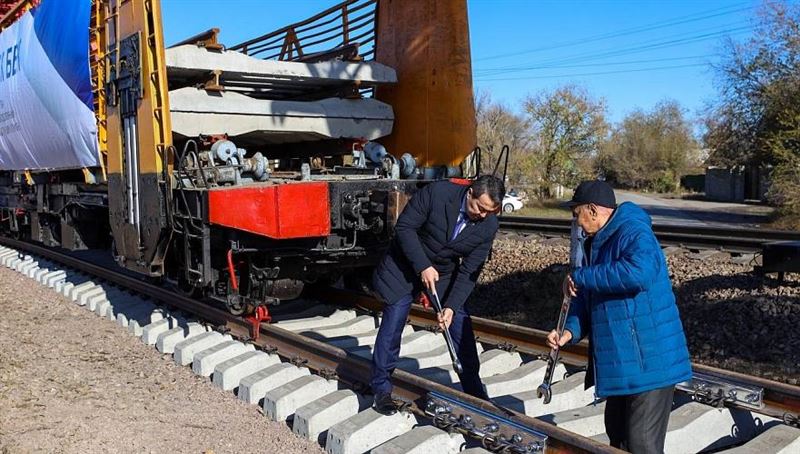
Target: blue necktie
[462,222]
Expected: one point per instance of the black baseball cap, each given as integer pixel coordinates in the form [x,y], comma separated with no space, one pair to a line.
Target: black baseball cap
[593,191]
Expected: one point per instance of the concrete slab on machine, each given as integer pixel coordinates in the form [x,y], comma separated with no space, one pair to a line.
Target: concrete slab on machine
[247,119]
[272,79]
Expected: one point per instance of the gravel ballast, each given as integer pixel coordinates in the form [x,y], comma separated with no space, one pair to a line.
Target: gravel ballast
[74,382]
[733,318]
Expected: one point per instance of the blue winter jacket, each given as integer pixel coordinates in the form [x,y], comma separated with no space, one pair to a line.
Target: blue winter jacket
[626,307]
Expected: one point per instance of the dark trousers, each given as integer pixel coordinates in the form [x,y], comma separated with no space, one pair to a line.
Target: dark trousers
[387,348]
[637,423]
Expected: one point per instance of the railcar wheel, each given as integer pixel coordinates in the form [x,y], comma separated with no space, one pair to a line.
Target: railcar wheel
[187,289]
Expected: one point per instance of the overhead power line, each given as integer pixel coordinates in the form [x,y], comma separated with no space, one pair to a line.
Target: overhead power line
[613,63]
[653,46]
[621,71]
[589,56]
[656,41]
[696,17]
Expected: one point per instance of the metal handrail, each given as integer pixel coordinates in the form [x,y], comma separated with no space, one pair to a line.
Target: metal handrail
[317,34]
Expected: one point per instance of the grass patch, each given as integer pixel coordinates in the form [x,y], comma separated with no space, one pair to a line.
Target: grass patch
[543,209]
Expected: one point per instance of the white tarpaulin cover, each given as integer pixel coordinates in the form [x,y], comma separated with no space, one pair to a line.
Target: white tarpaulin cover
[46,113]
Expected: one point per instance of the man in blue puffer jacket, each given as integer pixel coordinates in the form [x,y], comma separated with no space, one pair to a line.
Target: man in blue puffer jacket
[623,302]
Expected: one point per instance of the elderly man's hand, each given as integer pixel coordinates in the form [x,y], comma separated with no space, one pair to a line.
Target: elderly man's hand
[568,287]
[429,278]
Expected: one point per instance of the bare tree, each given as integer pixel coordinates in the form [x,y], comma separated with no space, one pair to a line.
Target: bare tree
[498,125]
[568,127]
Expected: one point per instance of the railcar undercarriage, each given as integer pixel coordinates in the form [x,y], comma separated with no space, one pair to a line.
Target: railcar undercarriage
[243,176]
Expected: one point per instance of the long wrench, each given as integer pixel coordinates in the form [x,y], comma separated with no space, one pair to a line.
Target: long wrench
[437,305]
[552,359]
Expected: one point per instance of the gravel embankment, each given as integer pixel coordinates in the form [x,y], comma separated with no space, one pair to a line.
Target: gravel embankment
[73,382]
[733,318]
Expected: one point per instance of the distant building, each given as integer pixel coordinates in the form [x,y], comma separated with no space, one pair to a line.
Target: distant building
[737,184]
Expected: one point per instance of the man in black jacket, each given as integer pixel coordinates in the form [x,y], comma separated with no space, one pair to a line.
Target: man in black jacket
[442,239]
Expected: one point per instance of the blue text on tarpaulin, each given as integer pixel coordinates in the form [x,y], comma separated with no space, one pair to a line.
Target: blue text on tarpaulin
[9,61]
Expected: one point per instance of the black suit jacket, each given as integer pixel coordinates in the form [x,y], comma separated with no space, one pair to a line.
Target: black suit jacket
[422,239]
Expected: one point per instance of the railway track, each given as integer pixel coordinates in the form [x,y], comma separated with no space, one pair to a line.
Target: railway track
[728,239]
[311,364]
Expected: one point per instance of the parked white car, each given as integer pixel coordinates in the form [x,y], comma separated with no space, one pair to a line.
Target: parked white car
[511,203]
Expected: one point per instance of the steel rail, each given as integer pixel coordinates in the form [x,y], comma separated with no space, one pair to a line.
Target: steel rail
[779,398]
[327,360]
[731,239]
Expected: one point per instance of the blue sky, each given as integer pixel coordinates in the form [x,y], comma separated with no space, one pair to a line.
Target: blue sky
[631,53]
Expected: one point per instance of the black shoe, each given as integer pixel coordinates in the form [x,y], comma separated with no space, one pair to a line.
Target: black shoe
[384,404]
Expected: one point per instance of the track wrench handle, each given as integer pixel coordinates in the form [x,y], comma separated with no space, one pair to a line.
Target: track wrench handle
[544,391]
[437,305]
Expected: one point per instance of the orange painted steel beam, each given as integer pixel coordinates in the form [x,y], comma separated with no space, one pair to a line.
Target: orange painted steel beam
[427,42]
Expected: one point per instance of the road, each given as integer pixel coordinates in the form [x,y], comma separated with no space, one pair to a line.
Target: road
[697,212]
